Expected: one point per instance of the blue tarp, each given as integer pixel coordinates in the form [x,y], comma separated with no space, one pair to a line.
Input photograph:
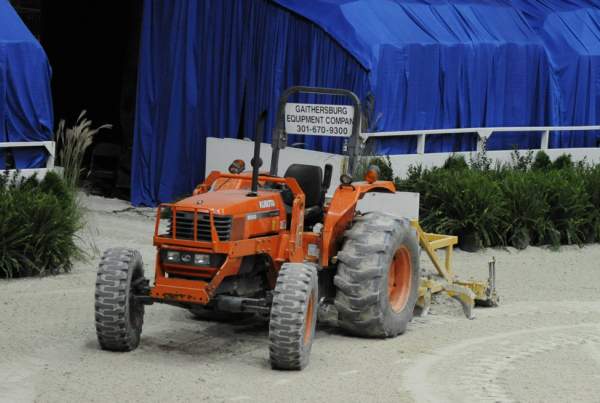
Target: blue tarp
[209,68]
[570,31]
[444,64]
[25,96]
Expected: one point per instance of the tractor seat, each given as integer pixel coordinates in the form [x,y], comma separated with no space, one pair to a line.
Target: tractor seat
[310,179]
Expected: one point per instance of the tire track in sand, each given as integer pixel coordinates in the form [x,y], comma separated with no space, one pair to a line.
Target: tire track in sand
[471,370]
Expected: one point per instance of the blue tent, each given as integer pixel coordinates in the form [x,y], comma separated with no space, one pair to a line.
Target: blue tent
[25,96]
[209,68]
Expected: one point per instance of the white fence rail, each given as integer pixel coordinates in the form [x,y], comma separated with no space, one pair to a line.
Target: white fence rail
[220,152]
[483,133]
[50,147]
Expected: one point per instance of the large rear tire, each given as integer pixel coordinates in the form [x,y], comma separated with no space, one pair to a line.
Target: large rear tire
[119,316]
[293,316]
[378,276]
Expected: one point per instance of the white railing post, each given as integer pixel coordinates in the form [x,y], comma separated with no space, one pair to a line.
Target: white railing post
[482,137]
[545,139]
[51,148]
[421,144]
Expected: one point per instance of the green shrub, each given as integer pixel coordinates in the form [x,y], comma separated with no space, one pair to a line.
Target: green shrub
[386,173]
[541,161]
[466,203]
[38,225]
[413,178]
[591,179]
[528,201]
[521,161]
[480,160]
[563,162]
[569,206]
[527,209]
[457,162]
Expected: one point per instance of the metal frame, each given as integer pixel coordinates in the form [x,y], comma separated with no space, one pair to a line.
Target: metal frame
[483,133]
[280,135]
[468,293]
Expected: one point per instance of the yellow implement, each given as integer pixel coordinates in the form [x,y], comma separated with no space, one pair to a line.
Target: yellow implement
[468,293]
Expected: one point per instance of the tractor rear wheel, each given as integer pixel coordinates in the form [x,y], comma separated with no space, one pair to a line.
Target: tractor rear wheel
[119,316]
[377,278]
[293,316]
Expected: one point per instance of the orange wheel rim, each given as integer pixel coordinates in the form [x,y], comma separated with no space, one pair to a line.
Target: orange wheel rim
[310,311]
[399,279]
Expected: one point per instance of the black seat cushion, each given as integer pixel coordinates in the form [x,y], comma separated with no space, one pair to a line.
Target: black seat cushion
[310,178]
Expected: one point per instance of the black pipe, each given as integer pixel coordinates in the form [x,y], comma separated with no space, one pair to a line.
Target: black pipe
[256,161]
[326,183]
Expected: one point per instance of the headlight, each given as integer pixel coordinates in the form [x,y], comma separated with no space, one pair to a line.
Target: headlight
[172,257]
[202,259]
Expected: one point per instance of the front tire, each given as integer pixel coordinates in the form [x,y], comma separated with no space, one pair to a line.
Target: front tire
[293,316]
[378,276]
[119,316]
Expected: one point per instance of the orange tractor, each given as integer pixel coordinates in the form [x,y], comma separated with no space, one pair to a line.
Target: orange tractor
[258,243]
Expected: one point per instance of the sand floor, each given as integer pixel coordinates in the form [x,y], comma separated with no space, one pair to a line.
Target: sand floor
[541,345]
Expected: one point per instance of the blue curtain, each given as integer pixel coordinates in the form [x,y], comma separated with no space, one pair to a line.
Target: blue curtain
[25,98]
[570,31]
[444,64]
[209,69]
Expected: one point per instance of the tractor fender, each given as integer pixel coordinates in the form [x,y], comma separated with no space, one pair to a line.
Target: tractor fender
[340,213]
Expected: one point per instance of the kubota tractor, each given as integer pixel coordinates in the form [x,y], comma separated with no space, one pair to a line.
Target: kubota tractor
[270,245]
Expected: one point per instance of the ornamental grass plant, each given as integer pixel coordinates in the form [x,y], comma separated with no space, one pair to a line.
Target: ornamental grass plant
[73,143]
[40,219]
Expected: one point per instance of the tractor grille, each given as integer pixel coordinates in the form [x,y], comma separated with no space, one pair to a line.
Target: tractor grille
[185,226]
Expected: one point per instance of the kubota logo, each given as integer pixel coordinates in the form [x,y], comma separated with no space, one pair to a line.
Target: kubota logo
[266,203]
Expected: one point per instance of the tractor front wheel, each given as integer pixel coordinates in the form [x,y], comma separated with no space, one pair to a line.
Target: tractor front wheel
[377,279]
[119,316]
[293,316]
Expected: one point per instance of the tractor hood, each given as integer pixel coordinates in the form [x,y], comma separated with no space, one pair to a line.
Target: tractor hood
[233,202]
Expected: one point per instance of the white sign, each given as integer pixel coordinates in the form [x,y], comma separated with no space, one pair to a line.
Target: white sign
[319,120]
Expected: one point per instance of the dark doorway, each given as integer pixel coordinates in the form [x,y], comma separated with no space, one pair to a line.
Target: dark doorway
[93,50]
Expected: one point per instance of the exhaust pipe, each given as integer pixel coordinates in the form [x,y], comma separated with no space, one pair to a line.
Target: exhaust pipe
[256,161]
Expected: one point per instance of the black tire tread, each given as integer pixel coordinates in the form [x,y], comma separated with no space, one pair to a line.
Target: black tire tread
[118,268]
[295,284]
[363,260]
